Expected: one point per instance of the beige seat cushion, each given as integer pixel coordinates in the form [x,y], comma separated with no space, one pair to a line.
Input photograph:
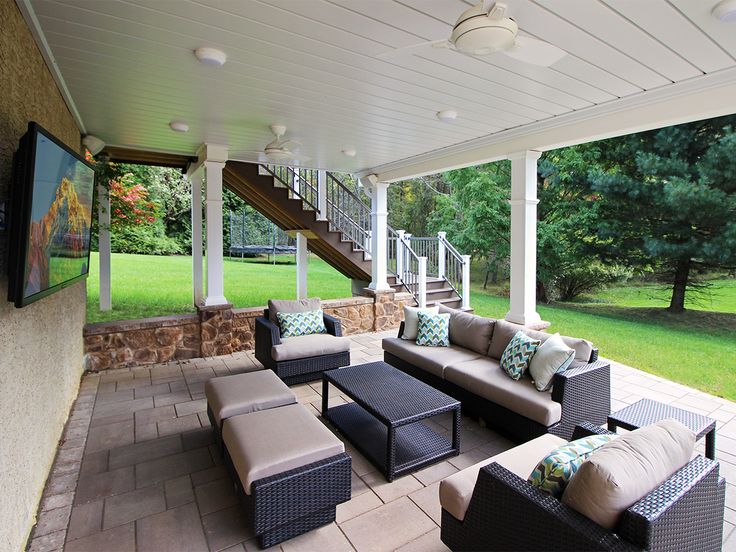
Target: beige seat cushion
[485,378]
[432,359]
[468,330]
[229,396]
[300,305]
[273,441]
[307,346]
[503,332]
[623,471]
[457,490]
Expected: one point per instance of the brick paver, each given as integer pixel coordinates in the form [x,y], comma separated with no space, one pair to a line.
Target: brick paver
[138,469]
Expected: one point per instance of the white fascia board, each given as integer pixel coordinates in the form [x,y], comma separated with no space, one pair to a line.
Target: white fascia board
[696,99]
[26,9]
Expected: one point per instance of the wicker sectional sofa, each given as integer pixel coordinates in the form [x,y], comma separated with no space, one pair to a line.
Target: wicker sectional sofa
[469,370]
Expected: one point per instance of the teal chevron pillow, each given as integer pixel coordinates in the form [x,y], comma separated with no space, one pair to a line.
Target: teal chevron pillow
[301,323]
[555,470]
[517,354]
[433,329]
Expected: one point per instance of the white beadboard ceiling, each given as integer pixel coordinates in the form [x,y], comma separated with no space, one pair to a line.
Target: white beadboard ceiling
[329,70]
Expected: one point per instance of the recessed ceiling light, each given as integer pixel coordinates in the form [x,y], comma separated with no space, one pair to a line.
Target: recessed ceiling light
[447,115]
[179,126]
[349,152]
[725,10]
[211,56]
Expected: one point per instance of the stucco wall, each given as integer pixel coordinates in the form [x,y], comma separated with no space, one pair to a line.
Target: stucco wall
[40,345]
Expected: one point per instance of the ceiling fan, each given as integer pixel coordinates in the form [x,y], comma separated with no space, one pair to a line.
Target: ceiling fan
[280,150]
[484,29]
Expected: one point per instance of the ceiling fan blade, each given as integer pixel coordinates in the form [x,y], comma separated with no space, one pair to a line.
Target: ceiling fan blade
[404,50]
[534,51]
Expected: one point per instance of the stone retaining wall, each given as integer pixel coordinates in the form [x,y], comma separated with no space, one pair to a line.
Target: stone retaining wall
[220,330]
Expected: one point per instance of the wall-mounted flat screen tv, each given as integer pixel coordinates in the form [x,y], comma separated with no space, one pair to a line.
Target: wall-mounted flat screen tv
[50,217]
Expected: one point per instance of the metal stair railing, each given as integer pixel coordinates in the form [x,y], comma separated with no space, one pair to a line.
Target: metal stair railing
[454,268]
[301,183]
[348,213]
[409,268]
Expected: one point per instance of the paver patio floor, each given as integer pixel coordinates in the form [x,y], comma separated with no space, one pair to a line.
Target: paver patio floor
[138,469]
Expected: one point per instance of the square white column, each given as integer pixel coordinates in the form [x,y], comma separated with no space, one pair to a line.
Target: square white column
[197,259]
[214,244]
[302,260]
[523,285]
[104,246]
[379,232]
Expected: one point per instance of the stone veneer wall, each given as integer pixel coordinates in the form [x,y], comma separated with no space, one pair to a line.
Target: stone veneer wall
[220,331]
[41,344]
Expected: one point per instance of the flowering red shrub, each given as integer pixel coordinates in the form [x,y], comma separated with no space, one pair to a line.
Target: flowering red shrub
[130,203]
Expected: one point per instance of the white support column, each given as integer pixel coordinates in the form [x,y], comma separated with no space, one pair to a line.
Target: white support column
[379,233]
[523,308]
[302,261]
[322,195]
[214,161]
[466,282]
[422,287]
[197,281]
[441,254]
[104,247]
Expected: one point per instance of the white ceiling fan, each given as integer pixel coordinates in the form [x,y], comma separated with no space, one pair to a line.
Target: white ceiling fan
[280,150]
[484,29]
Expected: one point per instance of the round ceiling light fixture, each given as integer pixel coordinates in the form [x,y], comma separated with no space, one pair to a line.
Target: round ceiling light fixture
[179,126]
[725,10]
[480,33]
[211,56]
[93,144]
[447,115]
[349,152]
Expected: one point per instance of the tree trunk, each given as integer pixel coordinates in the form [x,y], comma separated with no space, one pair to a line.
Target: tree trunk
[494,275]
[485,282]
[542,293]
[682,273]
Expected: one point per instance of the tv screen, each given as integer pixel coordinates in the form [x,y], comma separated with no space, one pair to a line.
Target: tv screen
[50,217]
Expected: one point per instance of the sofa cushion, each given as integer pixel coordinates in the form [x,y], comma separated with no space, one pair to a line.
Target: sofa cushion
[301,323]
[515,358]
[433,360]
[300,305]
[503,331]
[556,469]
[228,396]
[411,321]
[433,330]
[457,489]
[485,378]
[622,472]
[468,330]
[551,357]
[273,441]
[306,346]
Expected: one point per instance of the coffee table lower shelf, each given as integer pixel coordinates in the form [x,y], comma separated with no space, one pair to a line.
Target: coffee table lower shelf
[415,445]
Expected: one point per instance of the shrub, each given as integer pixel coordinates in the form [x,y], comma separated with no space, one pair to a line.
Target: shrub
[146,239]
[587,278]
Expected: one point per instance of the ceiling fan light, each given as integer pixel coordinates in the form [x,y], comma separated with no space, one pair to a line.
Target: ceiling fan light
[725,10]
[210,56]
[479,33]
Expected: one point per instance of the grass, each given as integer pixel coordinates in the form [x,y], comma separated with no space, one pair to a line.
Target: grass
[144,286]
[627,323]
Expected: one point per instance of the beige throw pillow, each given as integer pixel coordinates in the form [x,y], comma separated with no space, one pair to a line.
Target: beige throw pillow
[276,306]
[552,356]
[411,321]
[624,471]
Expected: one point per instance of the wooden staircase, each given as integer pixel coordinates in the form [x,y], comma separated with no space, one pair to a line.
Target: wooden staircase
[288,212]
[438,292]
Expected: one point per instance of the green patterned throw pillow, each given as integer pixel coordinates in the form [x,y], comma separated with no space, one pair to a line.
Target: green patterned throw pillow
[555,470]
[517,354]
[434,330]
[301,323]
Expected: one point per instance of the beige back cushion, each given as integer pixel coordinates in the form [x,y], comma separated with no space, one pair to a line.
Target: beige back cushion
[623,471]
[503,331]
[468,330]
[281,305]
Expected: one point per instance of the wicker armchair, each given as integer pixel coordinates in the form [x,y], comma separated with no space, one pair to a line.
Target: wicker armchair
[507,513]
[296,370]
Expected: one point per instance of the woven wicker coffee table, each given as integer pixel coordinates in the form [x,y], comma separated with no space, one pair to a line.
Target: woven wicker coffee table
[646,412]
[385,421]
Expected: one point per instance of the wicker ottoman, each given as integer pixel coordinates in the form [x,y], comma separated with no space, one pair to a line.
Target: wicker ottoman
[229,396]
[290,470]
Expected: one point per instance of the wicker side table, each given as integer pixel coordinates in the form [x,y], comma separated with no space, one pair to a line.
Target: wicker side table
[646,412]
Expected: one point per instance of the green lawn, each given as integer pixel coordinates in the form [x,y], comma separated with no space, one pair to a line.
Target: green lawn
[144,286]
[628,324]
